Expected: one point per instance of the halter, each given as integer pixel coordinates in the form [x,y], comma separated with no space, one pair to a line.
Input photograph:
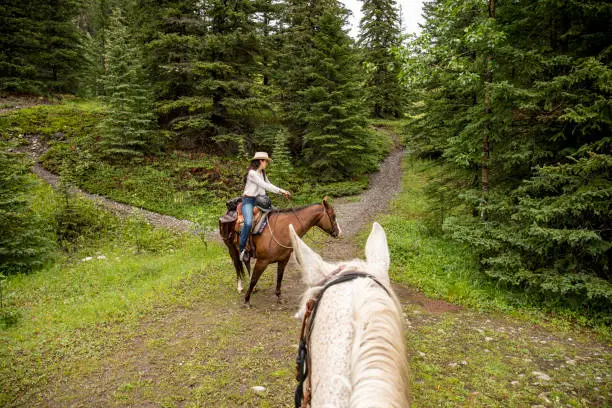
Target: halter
[303,365]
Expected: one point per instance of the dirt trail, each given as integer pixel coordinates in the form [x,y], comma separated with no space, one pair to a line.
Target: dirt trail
[353,213]
[122,210]
[36,147]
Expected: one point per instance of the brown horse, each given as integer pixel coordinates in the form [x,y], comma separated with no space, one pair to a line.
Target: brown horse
[273,245]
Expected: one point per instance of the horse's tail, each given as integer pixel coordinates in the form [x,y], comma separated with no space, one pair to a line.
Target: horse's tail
[235,255]
[379,368]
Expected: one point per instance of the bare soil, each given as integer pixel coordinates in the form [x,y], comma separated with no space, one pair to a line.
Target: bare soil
[10,103]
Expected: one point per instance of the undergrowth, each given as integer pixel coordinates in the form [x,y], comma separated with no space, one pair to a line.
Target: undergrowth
[110,272]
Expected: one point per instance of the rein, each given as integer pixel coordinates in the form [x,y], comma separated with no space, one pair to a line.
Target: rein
[275,240]
[334,226]
[303,365]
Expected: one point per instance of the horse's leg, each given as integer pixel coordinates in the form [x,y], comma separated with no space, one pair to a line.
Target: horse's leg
[247,264]
[279,278]
[260,266]
[233,251]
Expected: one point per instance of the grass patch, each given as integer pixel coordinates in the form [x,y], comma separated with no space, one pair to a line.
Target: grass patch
[480,360]
[78,311]
[67,121]
[157,310]
[168,327]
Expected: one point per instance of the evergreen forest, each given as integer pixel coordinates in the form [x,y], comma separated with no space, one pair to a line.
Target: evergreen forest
[502,109]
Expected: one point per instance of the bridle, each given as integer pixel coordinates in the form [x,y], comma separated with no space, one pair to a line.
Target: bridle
[303,364]
[335,230]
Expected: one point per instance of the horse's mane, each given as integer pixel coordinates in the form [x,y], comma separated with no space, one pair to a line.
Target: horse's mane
[288,210]
[379,370]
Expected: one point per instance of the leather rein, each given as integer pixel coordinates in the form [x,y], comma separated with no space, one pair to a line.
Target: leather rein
[303,364]
[325,209]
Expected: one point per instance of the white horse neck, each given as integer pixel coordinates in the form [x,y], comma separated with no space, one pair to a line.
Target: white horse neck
[357,349]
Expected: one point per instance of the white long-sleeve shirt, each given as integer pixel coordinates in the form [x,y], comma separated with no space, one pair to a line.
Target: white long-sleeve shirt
[257,185]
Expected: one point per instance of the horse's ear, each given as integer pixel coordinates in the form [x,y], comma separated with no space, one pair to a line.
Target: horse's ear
[377,253]
[314,267]
[325,201]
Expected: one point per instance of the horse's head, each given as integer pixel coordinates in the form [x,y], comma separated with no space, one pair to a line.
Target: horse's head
[328,222]
[316,269]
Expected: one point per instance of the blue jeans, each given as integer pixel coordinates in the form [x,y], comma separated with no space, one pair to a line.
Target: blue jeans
[247,211]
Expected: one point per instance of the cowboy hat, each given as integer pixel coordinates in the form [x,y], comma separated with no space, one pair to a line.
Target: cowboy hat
[261,156]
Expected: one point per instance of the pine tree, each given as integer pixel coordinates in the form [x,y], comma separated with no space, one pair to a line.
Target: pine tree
[39,46]
[533,80]
[172,32]
[24,244]
[206,57]
[228,72]
[321,93]
[282,171]
[128,130]
[93,21]
[379,33]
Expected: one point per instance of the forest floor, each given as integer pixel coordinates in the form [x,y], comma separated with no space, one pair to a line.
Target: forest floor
[201,348]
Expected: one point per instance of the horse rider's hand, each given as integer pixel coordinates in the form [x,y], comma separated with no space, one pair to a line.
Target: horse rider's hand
[287,194]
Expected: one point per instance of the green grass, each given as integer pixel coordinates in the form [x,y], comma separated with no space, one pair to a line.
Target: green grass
[116,304]
[486,360]
[168,326]
[157,310]
[79,310]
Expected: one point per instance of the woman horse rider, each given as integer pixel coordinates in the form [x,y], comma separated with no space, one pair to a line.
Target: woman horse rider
[257,183]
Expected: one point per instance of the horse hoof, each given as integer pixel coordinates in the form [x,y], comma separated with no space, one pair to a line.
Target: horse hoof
[281,301]
[247,305]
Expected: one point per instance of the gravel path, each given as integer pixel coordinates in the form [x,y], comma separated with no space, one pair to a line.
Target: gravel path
[123,210]
[353,212]
[35,148]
